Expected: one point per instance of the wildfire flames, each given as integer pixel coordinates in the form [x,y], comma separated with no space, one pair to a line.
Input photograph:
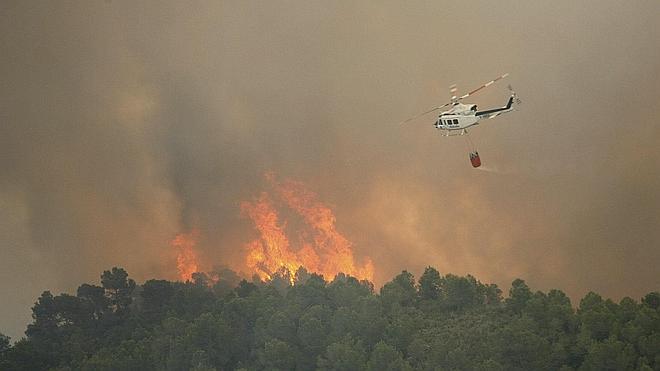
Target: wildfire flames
[318,246]
[322,249]
[186,261]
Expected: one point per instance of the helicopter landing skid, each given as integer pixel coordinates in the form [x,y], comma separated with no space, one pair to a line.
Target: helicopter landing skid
[454,133]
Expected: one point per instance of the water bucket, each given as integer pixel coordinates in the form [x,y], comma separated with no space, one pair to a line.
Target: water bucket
[474,159]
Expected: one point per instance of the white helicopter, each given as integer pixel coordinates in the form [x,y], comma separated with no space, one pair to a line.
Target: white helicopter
[459,117]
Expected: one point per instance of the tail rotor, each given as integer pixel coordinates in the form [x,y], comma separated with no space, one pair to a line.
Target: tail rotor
[514,95]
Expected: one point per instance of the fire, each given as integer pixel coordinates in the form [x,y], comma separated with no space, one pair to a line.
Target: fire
[186,260]
[322,249]
[272,251]
[318,246]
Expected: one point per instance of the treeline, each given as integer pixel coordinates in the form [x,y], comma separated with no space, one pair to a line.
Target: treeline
[303,322]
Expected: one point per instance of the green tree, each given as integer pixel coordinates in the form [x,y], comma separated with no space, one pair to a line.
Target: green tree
[519,295]
[371,320]
[129,355]
[95,296]
[449,322]
[400,291]
[156,295]
[492,294]
[210,335]
[596,316]
[244,289]
[652,300]
[345,355]
[344,322]
[118,289]
[403,324]
[461,292]
[489,365]
[45,321]
[25,355]
[522,349]
[225,280]
[385,357]
[4,343]
[430,284]
[312,332]
[312,292]
[200,362]
[277,355]
[609,355]
[347,291]
[281,326]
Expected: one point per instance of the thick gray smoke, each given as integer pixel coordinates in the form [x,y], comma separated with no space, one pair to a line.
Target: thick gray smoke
[122,124]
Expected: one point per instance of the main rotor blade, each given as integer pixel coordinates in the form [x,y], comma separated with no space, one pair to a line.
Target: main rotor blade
[489,83]
[424,113]
[420,115]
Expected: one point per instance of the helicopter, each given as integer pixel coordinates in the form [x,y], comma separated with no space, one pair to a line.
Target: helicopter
[459,117]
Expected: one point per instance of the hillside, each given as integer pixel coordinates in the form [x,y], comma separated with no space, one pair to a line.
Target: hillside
[303,322]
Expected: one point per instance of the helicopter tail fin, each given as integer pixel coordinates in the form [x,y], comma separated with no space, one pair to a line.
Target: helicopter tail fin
[497,111]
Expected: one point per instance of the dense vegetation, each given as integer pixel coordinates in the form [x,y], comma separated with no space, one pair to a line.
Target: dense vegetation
[437,323]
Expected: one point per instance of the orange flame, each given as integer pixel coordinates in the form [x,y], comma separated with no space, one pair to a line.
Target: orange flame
[270,253]
[186,260]
[328,252]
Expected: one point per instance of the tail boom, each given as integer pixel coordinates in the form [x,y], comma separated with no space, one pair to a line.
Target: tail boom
[497,111]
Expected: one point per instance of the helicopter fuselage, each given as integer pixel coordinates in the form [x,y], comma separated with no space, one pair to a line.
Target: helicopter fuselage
[462,116]
[459,117]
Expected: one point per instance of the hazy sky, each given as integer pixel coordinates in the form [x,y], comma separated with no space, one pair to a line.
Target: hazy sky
[123,124]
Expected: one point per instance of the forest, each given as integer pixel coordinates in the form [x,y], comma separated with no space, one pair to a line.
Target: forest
[300,321]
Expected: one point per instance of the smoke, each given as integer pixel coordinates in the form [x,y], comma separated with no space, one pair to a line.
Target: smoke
[126,124]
